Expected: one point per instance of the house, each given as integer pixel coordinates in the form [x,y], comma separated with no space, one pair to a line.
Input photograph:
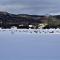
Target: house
[42,25]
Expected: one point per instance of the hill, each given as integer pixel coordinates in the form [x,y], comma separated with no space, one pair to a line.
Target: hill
[7,20]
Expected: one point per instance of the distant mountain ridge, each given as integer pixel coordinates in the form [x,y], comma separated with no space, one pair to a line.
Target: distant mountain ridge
[8,19]
[5,14]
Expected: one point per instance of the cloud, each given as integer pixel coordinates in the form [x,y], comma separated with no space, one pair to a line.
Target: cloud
[30,6]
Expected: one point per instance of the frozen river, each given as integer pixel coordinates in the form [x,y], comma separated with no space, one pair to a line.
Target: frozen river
[29,46]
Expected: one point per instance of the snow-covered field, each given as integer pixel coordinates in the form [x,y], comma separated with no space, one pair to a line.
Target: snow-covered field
[28,45]
[33,31]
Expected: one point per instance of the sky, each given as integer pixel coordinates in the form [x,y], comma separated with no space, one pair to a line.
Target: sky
[36,7]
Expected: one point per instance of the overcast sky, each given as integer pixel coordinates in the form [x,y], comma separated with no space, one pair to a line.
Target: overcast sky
[30,6]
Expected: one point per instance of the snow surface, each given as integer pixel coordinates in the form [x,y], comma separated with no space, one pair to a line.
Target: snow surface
[17,45]
[33,31]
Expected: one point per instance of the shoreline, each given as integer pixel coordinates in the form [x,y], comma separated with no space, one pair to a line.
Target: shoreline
[39,31]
